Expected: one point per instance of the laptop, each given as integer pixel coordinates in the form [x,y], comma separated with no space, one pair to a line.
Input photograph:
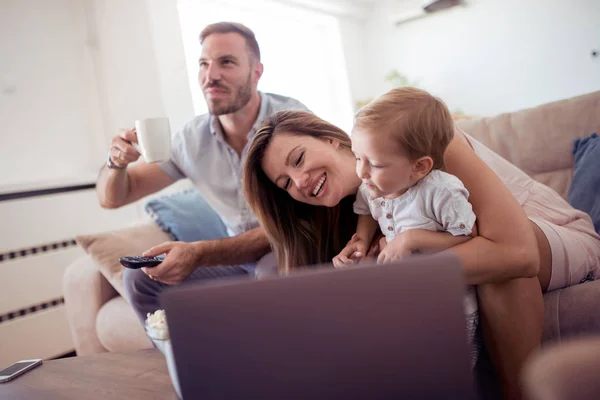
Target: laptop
[394,331]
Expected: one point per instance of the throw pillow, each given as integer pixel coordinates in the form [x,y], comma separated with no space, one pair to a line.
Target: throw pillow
[186,217]
[106,248]
[584,193]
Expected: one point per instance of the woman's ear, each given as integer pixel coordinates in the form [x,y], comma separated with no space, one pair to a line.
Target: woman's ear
[421,167]
[336,143]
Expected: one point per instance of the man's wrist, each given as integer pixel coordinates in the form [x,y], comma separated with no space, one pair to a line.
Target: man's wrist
[204,253]
[110,164]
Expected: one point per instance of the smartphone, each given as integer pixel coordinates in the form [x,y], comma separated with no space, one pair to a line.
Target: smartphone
[18,368]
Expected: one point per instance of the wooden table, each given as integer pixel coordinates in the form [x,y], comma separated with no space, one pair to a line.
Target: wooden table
[139,375]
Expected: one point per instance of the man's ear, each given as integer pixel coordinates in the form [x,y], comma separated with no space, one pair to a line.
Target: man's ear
[258,69]
[421,167]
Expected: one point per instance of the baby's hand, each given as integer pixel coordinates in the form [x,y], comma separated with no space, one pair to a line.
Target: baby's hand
[395,250]
[352,253]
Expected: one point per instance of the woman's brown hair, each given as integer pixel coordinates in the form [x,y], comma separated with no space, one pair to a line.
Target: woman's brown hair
[300,234]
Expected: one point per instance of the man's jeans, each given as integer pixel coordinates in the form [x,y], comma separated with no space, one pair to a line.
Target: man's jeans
[143,293]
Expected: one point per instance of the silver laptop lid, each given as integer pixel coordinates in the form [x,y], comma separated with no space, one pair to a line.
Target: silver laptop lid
[387,331]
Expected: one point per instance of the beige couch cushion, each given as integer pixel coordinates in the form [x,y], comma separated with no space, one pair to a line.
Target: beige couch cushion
[540,140]
[118,328]
[106,248]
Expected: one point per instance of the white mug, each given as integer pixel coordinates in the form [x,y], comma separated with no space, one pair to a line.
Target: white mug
[154,138]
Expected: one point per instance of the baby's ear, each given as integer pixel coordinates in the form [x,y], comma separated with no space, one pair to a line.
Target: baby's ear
[421,167]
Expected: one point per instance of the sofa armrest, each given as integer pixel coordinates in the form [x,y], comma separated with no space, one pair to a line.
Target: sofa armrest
[118,328]
[85,290]
[564,372]
[571,312]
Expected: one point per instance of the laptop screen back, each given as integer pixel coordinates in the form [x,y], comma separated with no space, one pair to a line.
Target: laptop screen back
[385,331]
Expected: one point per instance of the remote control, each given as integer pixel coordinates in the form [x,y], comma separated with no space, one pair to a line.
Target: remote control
[136,262]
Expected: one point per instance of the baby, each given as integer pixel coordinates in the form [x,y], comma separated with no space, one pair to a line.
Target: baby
[399,142]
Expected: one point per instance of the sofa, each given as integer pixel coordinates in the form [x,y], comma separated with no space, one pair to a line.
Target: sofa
[538,140]
[564,372]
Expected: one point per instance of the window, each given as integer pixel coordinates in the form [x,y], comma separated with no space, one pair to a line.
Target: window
[301,50]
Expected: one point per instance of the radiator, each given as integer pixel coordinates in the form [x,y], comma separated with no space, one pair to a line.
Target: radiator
[37,244]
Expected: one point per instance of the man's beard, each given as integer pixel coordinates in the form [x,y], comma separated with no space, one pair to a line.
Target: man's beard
[242,97]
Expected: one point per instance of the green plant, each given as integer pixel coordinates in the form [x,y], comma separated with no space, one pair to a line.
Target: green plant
[396,79]
[399,80]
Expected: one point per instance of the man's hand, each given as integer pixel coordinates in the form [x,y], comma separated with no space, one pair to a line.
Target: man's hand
[121,186]
[183,258]
[122,149]
[180,261]
[352,253]
[398,248]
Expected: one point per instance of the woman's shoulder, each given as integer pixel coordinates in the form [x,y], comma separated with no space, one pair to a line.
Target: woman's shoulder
[517,181]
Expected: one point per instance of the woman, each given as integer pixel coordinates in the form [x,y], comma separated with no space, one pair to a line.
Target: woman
[529,239]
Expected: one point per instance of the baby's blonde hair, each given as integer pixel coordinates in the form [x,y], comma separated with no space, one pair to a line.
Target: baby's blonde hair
[418,121]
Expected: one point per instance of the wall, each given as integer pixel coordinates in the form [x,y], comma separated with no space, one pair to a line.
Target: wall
[491,56]
[139,68]
[73,72]
[139,62]
[170,61]
[49,119]
[353,33]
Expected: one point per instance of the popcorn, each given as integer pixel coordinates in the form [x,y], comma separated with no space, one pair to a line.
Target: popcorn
[156,325]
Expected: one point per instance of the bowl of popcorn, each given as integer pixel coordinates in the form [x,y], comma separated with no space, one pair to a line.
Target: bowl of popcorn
[157,330]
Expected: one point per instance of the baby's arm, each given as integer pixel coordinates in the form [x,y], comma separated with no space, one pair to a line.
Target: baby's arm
[429,241]
[359,244]
[452,210]
[366,228]
[420,240]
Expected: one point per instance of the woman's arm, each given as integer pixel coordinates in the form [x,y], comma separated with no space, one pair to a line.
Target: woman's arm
[506,247]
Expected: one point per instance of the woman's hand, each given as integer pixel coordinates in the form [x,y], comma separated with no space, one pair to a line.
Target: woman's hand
[352,253]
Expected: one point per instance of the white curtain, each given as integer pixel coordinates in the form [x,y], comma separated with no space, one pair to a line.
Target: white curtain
[301,50]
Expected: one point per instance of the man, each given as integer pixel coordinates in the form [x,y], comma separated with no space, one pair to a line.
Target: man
[209,150]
